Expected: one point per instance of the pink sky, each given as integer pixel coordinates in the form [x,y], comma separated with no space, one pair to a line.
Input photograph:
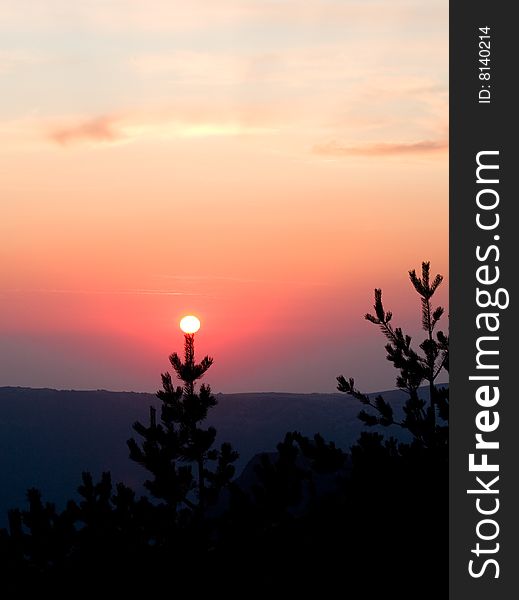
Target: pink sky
[264,166]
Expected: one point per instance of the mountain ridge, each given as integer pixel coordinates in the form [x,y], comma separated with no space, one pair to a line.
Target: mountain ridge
[48,437]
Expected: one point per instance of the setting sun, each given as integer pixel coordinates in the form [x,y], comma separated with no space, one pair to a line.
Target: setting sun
[190,324]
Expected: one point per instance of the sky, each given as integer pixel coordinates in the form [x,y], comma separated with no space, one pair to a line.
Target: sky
[263,164]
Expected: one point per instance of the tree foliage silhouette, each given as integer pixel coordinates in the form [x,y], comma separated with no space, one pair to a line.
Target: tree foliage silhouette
[415,367]
[171,448]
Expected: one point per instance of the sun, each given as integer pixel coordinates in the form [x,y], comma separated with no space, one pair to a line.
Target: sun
[190,324]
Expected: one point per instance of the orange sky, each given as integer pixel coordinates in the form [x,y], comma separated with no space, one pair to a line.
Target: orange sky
[264,165]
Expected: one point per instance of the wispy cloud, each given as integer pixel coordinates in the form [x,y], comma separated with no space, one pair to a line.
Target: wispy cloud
[129,292]
[129,127]
[217,278]
[333,148]
[99,129]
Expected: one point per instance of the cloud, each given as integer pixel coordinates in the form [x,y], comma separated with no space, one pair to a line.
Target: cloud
[130,292]
[333,148]
[99,129]
[217,278]
[129,127]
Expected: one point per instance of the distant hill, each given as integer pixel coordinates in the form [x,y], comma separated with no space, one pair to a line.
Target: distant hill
[47,437]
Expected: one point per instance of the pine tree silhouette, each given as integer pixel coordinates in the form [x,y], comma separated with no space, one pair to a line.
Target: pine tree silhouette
[171,448]
[420,418]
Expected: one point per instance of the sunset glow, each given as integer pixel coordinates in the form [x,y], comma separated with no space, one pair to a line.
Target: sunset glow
[264,164]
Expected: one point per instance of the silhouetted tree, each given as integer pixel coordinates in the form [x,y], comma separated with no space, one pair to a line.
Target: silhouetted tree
[415,368]
[94,540]
[171,448]
[399,490]
[287,483]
